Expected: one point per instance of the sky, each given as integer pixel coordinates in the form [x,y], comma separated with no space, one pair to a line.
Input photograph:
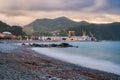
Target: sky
[22,12]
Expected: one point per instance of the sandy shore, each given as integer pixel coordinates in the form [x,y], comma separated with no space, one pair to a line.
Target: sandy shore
[22,63]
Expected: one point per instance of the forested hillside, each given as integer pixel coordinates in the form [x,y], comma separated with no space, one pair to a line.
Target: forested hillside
[100,31]
[16,30]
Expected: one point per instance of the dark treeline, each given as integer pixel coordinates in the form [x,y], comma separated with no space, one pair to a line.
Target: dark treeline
[16,30]
[100,31]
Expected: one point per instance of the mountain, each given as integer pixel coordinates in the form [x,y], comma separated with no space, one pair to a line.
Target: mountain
[109,31]
[16,30]
[45,25]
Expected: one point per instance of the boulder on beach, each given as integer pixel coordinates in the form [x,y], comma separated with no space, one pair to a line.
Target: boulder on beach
[64,45]
[53,45]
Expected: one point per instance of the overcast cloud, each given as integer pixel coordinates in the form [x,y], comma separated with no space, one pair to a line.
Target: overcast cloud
[24,11]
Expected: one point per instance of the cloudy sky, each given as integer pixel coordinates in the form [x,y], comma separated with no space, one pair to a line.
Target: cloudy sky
[21,12]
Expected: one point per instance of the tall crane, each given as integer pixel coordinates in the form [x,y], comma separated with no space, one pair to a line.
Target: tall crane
[91,34]
[71,33]
[84,33]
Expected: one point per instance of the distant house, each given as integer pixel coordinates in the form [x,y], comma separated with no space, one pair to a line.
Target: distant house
[7,35]
[6,32]
[1,35]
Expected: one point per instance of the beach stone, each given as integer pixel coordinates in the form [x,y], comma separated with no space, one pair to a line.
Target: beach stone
[39,67]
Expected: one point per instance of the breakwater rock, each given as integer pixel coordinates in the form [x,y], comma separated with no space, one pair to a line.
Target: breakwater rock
[61,45]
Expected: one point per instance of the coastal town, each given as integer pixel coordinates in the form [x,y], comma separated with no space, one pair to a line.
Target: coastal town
[71,37]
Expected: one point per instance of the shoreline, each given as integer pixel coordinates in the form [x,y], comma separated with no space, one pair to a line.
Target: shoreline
[80,60]
[44,67]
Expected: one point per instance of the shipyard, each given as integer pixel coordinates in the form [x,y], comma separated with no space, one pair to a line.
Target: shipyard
[71,37]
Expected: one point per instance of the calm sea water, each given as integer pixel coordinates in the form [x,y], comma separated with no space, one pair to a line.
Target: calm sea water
[103,56]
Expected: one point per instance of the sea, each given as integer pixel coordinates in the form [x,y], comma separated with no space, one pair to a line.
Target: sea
[104,55]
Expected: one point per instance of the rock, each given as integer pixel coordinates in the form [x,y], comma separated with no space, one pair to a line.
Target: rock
[23,43]
[62,45]
[53,45]
[65,45]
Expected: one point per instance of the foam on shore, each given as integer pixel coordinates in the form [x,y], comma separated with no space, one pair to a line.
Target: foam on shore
[102,65]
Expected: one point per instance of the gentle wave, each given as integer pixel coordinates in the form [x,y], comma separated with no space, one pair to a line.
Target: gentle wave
[81,60]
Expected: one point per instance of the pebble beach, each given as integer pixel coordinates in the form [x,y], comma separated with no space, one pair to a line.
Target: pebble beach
[18,62]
